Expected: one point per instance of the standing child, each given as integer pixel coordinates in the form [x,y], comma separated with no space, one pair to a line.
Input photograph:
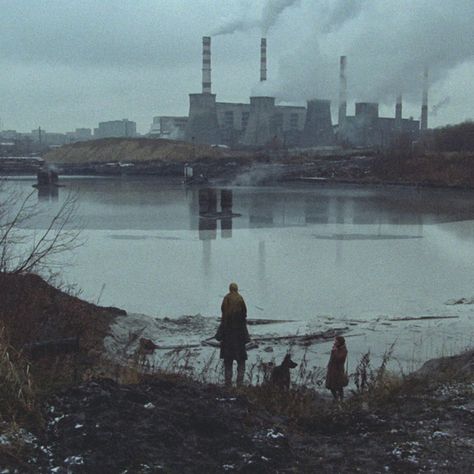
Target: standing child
[336,377]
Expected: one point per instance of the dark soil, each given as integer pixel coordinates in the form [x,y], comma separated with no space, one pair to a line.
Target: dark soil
[173,425]
[170,424]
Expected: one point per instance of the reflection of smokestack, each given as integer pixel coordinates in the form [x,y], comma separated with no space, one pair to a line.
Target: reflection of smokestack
[424,104]
[398,113]
[263,59]
[206,64]
[342,92]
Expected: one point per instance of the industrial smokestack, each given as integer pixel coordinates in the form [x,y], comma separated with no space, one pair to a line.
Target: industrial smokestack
[206,64]
[424,104]
[398,113]
[263,59]
[342,93]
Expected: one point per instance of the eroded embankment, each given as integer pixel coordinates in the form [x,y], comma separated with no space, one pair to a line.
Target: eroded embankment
[174,425]
[171,423]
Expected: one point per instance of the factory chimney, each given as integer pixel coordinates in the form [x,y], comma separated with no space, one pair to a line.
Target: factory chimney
[342,93]
[263,59]
[206,64]
[424,104]
[398,114]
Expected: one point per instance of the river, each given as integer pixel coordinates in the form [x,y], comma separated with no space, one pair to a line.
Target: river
[318,254]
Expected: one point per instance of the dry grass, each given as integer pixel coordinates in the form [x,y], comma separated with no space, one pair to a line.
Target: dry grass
[17,394]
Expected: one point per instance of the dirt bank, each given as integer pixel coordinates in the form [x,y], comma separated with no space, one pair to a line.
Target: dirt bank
[172,424]
[33,310]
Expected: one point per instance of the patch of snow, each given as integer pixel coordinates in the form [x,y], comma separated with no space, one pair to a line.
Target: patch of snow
[74,460]
[271,433]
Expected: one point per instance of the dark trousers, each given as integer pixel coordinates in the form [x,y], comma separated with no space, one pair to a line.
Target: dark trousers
[228,363]
[338,393]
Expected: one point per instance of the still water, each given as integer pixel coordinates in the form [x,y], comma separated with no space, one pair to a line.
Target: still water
[302,252]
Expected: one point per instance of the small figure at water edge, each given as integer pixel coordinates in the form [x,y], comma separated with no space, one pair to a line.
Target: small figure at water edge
[336,376]
[233,334]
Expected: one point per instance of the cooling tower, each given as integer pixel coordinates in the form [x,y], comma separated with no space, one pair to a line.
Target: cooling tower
[367,113]
[367,131]
[341,118]
[260,129]
[318,129]
[424,104]
[263,59]
[202,125]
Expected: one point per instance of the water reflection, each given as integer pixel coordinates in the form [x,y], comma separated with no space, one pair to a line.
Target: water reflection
[209,215]
[48,193]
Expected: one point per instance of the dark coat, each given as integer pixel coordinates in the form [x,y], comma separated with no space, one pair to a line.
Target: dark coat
[233,332]
[336,375]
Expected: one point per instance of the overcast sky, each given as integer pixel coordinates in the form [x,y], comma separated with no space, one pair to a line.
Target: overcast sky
[72,63]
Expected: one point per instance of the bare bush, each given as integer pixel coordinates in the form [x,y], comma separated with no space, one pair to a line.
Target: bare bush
[22,252]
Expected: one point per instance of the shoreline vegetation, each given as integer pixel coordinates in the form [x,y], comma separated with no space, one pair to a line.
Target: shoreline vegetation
[79,411]
[443,157]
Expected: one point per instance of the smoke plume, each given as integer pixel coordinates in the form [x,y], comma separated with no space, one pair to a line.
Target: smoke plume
[442,103]
[271,11]
[387,44]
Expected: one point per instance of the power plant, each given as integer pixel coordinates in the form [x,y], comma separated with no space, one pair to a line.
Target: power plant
[263,123]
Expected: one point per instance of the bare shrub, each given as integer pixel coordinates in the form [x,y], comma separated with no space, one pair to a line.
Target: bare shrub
[375,383]
[20,252]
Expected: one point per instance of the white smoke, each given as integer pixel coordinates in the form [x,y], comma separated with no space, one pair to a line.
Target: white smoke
[387,44]
[338,13]
[271,12]
[234,25]
[272,9]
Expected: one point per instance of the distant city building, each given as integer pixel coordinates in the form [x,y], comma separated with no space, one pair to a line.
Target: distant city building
[172,128]
[42,137]
[80,135]
[9,134]
[116,128]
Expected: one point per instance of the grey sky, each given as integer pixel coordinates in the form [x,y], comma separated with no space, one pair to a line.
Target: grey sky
[68,64]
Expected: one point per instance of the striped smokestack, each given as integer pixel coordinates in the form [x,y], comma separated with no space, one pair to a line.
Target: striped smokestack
[206,64]
[263,59]
[342,92]
[424,103]
[398,113]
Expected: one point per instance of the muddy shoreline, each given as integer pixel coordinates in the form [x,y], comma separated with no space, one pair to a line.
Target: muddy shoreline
[109,417]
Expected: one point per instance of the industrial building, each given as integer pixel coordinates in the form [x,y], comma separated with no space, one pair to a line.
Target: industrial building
[168,127]
[263,123]
[116,128]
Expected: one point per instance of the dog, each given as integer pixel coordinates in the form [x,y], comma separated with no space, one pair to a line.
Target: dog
[146,346]
[280,376]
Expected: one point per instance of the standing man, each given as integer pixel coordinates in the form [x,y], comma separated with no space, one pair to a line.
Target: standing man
[233,334]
